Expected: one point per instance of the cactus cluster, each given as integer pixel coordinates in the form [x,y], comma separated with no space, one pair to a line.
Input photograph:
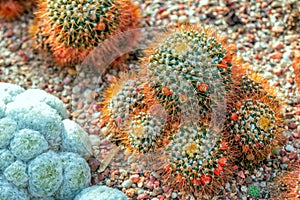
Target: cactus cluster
[11,9]
[36,158]
[71,29]
[189,69]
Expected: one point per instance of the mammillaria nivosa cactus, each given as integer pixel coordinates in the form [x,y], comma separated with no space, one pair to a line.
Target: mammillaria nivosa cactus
[33,133]
[11,9]
[71,29]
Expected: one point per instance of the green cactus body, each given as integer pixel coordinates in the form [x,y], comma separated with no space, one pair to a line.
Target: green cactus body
[195,157]
[189,56]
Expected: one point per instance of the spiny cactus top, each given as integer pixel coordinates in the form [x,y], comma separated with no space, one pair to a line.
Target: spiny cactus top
[192,55]
[195,156]
[70,29]
[130,116]
[82,23]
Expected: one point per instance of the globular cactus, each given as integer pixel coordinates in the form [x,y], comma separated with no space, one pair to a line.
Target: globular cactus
[196,160]
[71,29]
[129,116]
[255,118]
[191,55]
[12,9]
[287,185]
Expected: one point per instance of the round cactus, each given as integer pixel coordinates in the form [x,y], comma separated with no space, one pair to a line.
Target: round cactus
[256,122]
[11,9]
[193,55]
[133,116]
[76,173]
[196,159]
[16,173]
[10,191]
[7,130]
[46,175]
[28,144]
[6,158]
[71,29]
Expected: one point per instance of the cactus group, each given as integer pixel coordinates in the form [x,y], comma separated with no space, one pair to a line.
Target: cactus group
[71,29]
[37,159]
[189,69]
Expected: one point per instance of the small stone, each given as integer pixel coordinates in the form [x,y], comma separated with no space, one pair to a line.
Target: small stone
[174,195]
[276,55]
[278,29]
[130,192]
[135,178]
[127,183]
[182,19]
[174,18]
[283,166]
[293,125]
[58,87]
[263,184]
[285,159]
[244,189]
[241,174]
[289,148]
[142,196]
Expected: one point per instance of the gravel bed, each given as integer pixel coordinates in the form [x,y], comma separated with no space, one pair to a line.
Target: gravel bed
[267,36]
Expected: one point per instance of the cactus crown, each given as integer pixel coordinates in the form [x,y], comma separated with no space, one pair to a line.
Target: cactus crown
[83,23]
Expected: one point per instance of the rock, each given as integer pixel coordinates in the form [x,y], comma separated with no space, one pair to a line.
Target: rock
[127,183]
[289,148]
[182,19]
[278,29]
[244,189]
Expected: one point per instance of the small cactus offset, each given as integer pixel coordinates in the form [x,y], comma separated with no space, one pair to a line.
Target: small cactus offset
[130,117]
[256,121]
[71,29]
[12,9]
[196,160]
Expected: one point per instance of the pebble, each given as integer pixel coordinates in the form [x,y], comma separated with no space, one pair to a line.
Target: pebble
[174,195]
[127,183]
[244,189]
[289,148]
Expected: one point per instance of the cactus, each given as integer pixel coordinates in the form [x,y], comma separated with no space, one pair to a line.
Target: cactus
[255,118]
[196,160]
[129,116]
[12,9]
[32,166]
[71,29]
[287,184]
[193,55]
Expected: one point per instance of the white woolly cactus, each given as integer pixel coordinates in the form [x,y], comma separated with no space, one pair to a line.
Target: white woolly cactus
[32,136]
[100,193]
[16,173]
[28,144]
